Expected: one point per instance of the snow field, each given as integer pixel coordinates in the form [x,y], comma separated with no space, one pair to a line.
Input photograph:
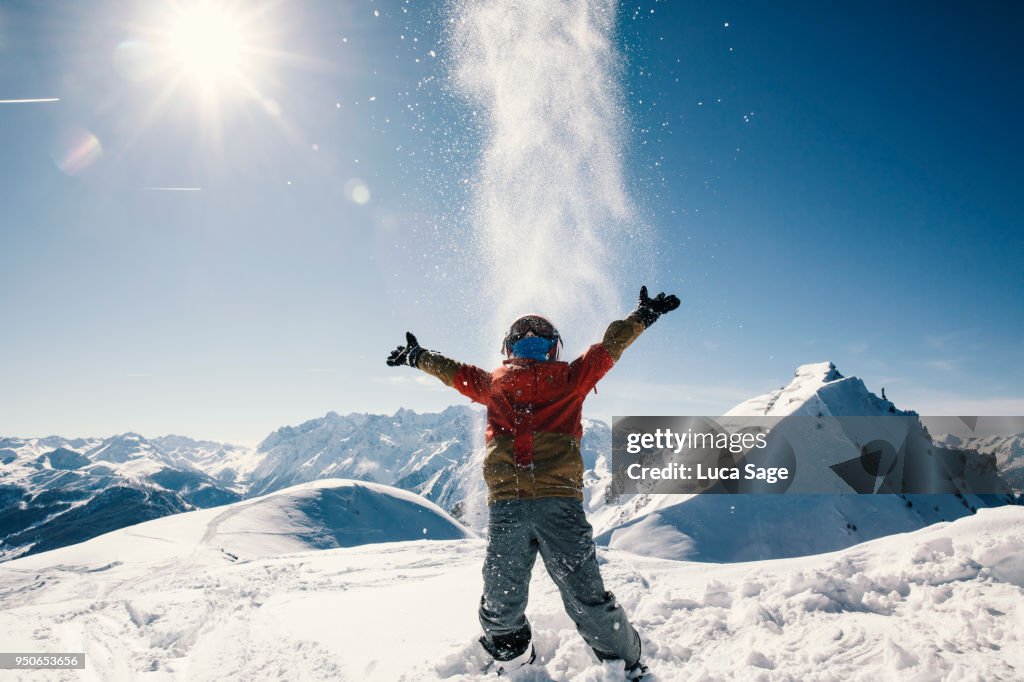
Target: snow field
[946,602]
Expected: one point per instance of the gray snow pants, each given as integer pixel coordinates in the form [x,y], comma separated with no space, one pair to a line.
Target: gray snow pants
[557,527]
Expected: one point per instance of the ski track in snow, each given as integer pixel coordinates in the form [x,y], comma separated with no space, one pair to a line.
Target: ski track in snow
[945,602]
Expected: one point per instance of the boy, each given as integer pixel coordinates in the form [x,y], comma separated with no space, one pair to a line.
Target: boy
[534,476]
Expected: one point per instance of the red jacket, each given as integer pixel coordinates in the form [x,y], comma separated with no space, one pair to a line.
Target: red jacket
[534,412]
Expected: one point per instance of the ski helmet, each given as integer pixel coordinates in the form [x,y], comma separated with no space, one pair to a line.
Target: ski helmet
[537,326]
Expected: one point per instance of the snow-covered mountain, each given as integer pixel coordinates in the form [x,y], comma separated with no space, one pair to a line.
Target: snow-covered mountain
[226,463]
[818,388]
[726,528]
[404,449]
[56,491]
[209,595]
[45,463]
[1007,449]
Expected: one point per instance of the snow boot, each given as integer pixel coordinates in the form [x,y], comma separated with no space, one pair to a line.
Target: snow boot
[509,651]
[501,667]
[637,671]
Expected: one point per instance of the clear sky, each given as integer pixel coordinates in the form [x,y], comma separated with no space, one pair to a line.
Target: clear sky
[217,251]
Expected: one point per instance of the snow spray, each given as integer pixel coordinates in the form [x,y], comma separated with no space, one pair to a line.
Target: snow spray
[550,213]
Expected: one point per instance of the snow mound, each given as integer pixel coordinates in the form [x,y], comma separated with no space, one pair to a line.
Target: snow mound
[327,514]
[319,515]
[946,602]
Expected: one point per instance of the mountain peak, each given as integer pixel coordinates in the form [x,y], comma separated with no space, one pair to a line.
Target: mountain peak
[818,388]
[821,371]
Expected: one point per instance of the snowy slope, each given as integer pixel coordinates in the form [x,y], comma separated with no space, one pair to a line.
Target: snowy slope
[946,602]
[319,515]
[726,528]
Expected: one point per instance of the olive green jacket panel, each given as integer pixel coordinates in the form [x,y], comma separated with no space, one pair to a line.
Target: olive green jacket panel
[620,334]
[557,469]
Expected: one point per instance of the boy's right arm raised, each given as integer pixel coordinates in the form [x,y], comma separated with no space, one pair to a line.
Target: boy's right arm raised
[471,381]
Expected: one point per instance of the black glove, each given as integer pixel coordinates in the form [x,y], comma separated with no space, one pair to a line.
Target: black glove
[408,354]
[650,309]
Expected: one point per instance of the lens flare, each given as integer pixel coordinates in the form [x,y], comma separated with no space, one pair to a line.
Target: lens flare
[76,150]
[135,60]
[357,191]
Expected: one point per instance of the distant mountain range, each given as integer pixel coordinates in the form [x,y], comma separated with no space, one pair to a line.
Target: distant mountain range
[57,491]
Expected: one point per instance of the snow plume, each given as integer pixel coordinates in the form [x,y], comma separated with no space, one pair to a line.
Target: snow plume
[550,211]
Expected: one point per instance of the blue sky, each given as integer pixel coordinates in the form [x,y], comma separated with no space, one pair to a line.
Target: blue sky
[834,183]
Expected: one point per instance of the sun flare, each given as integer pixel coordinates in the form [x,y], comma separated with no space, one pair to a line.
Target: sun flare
[207,43]
[210,44]
[212,58]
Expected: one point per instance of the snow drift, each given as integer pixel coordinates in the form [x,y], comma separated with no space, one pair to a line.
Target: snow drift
[946,602]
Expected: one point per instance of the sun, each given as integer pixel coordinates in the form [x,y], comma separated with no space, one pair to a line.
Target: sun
[210,44]
[207,43]
[207,62]
[212,65]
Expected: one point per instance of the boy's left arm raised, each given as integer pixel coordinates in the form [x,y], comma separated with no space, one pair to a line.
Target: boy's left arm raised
[590,367]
